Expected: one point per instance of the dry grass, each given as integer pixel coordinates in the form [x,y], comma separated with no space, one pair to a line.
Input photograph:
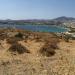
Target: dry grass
[62,61]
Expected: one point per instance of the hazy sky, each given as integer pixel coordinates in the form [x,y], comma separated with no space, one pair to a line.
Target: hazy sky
[36,9]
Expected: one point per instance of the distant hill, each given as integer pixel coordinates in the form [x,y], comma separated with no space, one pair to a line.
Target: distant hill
[56,21]
[64,19]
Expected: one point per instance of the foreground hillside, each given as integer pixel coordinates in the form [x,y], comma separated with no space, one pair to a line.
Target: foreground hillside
[33,53]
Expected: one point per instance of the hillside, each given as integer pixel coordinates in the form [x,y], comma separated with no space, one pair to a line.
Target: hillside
[64,19]
[32,53]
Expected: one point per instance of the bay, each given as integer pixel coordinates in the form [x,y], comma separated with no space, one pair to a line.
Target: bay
[37,28]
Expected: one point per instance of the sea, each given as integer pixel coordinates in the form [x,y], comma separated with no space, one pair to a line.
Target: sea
[37,28]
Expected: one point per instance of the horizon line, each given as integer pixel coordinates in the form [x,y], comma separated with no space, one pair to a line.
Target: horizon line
[39,18]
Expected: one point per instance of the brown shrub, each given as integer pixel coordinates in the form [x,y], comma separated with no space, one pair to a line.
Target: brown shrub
[18,48]
[12,40]
[19,35]
[3,36]
[47,51]
[49,48]
[15,39]
[52,45]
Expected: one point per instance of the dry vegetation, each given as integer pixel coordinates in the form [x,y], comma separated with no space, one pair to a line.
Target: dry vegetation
[49,48]
[18,48]
[34,53]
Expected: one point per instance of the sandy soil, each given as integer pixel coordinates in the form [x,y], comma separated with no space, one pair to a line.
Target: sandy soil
[62,63]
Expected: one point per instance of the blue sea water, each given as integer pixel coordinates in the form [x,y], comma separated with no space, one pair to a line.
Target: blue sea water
[38,28]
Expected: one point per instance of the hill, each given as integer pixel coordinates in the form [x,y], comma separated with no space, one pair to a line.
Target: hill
[64,19]
[55,21]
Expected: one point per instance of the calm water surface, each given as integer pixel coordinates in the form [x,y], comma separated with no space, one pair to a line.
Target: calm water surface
[40,28]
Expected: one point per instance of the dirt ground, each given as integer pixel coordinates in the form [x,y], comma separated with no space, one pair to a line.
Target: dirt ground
[33,63]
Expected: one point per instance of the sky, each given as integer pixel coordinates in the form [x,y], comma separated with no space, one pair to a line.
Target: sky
[36,9]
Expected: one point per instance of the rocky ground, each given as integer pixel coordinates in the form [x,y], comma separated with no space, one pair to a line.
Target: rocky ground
[34,63]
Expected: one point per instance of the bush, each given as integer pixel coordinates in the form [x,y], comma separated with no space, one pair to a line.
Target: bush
[19,35]
[49,48]
[47,51]
[67,37]
[3,36]
[12,40]
[18,48]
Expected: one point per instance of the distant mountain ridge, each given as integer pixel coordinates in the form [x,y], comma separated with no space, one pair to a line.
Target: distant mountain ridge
[55,21]
[64,19]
